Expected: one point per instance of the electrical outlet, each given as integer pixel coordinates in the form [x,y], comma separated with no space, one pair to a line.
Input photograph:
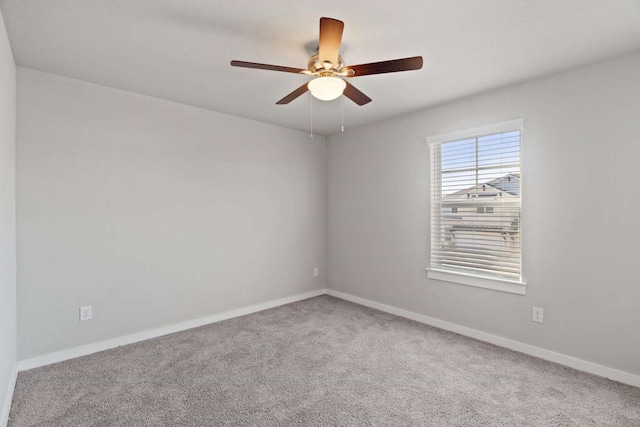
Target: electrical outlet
[537,315]
[85,313]
[316,272]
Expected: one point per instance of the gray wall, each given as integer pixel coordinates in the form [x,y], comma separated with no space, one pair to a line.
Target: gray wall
[154,212]
[580,222]
[7,213]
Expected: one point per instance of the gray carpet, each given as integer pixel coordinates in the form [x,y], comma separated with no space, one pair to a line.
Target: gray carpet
[321,361]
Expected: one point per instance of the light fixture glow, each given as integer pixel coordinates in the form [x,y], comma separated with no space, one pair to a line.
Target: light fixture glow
[327,88]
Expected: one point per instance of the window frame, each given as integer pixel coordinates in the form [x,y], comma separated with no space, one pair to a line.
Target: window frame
[494,283]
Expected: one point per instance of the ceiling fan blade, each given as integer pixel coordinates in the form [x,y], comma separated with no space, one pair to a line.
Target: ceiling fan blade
[266,67]
[330,39]
[355,95]
[392,66]
[293,95]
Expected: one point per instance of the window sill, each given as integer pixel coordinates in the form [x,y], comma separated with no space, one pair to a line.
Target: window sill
[503,285]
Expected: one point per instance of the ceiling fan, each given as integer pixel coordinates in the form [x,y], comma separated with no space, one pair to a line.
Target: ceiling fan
[328,68]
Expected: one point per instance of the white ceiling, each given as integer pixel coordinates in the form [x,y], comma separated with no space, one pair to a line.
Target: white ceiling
[180,49]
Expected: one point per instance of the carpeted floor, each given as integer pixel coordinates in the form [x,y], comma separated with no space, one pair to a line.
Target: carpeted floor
[321,361]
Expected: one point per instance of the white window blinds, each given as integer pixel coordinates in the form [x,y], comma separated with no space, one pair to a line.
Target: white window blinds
[476,202]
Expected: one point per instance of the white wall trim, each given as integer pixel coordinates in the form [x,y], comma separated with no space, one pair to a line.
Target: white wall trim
[512,125]
[562,359]
[6,407]
[510,286]
[84,350]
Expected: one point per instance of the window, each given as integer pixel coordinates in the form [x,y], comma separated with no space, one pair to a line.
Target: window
[476,173]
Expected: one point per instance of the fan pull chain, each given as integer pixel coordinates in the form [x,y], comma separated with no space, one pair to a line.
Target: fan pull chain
[342,107]
[311,98]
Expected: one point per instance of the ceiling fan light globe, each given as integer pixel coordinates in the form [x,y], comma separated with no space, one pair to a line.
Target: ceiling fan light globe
[327,88]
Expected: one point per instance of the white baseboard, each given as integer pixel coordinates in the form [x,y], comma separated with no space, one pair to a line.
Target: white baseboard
[6,407]
[84,350]
[562,359]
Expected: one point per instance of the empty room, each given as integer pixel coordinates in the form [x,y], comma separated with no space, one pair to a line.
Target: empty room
[294,213]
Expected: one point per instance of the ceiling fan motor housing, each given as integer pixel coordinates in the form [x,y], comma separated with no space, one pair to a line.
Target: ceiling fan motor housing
[316,66]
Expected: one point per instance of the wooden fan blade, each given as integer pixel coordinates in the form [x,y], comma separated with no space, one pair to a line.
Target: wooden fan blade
[393,66]
[293,95]
[330,39]
[266,67]
[355,95]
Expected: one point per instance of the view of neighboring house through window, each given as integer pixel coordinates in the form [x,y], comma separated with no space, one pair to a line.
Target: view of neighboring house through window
[476,204]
